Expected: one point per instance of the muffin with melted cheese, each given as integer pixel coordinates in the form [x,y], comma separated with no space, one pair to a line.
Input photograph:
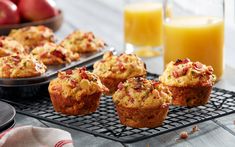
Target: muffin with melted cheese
[82,42]
[9,46]
[142,103]
[115,69]
[51,54]
[76,92]
[32,36]
[190,82]
[20,66]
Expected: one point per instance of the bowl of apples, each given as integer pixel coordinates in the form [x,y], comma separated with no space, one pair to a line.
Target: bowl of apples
[15,14]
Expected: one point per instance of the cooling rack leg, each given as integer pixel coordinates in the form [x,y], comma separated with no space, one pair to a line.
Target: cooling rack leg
[124,145]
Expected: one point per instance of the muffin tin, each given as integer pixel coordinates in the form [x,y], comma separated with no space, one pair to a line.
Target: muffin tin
[30,87]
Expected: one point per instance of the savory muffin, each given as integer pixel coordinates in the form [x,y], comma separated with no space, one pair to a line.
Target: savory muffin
[20,66]
[142,103]
[8,46]
[32,36]
[82,42]
[115,69]
[76,92]
[51,54]
[189,82]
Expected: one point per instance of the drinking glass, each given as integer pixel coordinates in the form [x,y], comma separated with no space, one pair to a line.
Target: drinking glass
[143,27]
[195,30]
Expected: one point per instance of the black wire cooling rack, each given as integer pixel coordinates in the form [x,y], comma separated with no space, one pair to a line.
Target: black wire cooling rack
[105,123]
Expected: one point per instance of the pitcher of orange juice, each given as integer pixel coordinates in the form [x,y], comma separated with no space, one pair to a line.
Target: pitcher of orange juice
[143,27]
[195,30]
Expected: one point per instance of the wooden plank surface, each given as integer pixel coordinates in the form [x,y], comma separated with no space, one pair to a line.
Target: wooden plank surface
[106,22]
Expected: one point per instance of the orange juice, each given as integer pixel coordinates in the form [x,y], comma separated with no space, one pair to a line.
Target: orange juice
[197,38]
[143,24]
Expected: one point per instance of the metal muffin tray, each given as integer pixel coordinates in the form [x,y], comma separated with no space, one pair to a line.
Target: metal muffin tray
[85,59]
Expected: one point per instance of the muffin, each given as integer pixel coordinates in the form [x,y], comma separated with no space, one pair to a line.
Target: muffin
[76,92]
[190,82]
[20,66]
[32,36]
[82,42]
[142,103]
[8,46]
[52,54]
[115,69]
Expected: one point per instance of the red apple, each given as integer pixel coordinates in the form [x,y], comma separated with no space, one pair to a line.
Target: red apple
[8,13]
[15,1]
[34,10]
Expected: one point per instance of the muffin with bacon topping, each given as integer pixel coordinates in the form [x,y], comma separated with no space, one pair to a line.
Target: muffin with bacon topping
[82,42]
[20,66]
[8,46]
[115,69]
[32,36]
[51,54]
[190,82]
[76,92]
[142,103]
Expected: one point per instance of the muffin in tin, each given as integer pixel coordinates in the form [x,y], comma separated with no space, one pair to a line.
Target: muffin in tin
[52,54]
[82,42]
[114,69]
[9,46]
[190,82]
[20,66]
[142,103]
[32,36]
[76,92]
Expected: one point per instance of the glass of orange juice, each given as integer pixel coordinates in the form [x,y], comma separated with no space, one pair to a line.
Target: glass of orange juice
[143,27]
[195,30]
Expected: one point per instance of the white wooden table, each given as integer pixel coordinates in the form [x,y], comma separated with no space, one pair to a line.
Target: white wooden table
[105,20]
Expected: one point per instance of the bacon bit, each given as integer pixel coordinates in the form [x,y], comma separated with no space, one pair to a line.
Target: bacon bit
[1,44]
[16,58]
[209,70]
[58,54]
[43,54]
[155,83]
[185,70]
[84,75]
[175,74]
[197,66]
[69,72]
[184,135]
[88,45]
[195,129]
[121,67]
[120,85]
[73,83]
[57,88]
[178,61]
[165,105]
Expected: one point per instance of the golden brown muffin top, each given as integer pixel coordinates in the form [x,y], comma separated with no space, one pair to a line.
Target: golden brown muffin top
[32,36]
[20,66]
[50,53]
[82,42]
[142,93]
[123,66]
[76,83]
[187,73]
[8,46]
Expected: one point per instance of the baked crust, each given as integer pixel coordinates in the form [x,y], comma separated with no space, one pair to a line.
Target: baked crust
[52,54]
[9,46]
[32,36]
[190,96]
[82,42]
[86,105]
[20,66]
[142,117]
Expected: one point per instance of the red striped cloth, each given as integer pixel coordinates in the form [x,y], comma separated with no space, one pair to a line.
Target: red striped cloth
[29,136]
